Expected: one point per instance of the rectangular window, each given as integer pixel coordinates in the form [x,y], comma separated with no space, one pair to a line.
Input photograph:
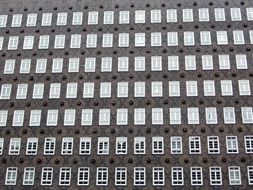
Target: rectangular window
[87,117]
[59,42]
[75,41]
[3,21]
[31,20]
[196,176]
[49,146]
[189,39]
[47,176]
[174,88]
[234,175]
[108,17]
[176,145]
[172,38]
[140,16]
[103,146]
[38,91]
[139,176]
[205,38]
[177,175]
[32,146]
[3,117]
[219,14]
[157,116]
[102,176]
[139,145]
[224,62]
[52,117]
[232,144]
[156,39]
[16,20]
[9,66]
[105,89]
[139,116]
[5,91]
[139,64]
[18,118]
[171,15]
[226,88]
[241,61]
[83,176]
[1,42]
[122,89]
[249,13]
[91,41]
[106,65]
[104,116]
[1,145]
[55,89]
[11,176]
[122,116]
[90,64]
[235,14]
[209,88]
[173,63]
[222,38]
[121,145]
[238,37]
[190,62]
[44,42]
[187,15]
[69,117]
[207,62]
[203,15]
[156,89]
[191,88]
[73,65]
[46,19]
[157,145]
[71,91]
[93,18]
[229,115]
[123,39]
[155,16]
[124,17]
[57,65]
[65,176]
[61,19]
[88,90]
[215,175]
[25,66]
[77,18]
[250,174]
[158,176]
[13,43]
[244,87]
[139,89]
[123,64]
[156,63]
[247,115]
[107,40]
[194,145]
[85,146]
[41,66]
[28,176]
[139,39]
[211,115]
[22,91]
[248,143]
[14,147]
[120,176]
[175,116]
[67,146]
[213,145]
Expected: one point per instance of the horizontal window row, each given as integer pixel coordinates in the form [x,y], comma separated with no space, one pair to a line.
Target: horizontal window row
[139,145]
[108,40]
[123,17]
[122,64]
[120,176]
[124,116]
[123,89]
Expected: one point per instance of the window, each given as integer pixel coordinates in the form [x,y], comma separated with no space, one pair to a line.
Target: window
[205,38]
[213,145]
[90,64]
[234,175]
[65,176]
[44,42]
[176,145]
[238,37]
[91,41]
[55,89]
[232,144]
[5,91]
[73,65]
[139,89]
[47,176]
[156,16]
[18,118]
[59,42]
[31,20]
[177,175]
[139,145]
[189,39]
[9,66]
[190,62]
[158,176]
[57,65]
[104,116]
[219,14]
[215,175]
[108,17]
[247,115]
[209,88]
[224,62]
[71,90]
[122,116]
[172,38]
[196,176]
[67,146]
[139,116]
[93,18]
[107,40]
[156,39]
[194,145]
[244,87]
[52,117]
[171,15]
[139,64]
[3,117]
[28,176]
[249,13]
[226,88]
[32,146]
[211,115]
[88,90]
[102,176]
[140,16]
[83,176]
[41,66]
[85,146]
[124,17]
[156,89]
[16,20]
[120,176]
[46,19]
[250,175]
[157,145]
[139,176]
[157,116]
[3,21]
[174,88]
[103,146]
[123,64]
[87,116]
[187,15]
[49,146]
[175,116]
[1,145]
[11,176]
[222,38]
[13,43]
[139,39]
[248,143]
[38,90]
[1,42]
[122,89]
[77,18]
[203,15]
[61,19]
[173,63]
[207,62]
[241,61]
[229,115]
[191,88]
[14,147]
[121,145]
[123,39]
[25,66]
[105,90]
[75,41]
[235,14]
[69,117]
[22,91]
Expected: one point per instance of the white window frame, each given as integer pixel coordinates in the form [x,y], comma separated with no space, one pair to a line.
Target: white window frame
[108,17]
[172,15]
[67,145]
[121,145]
[87,117]
[213,144]
[234,175]
[14,146]
[35,118]
[55,90]
[103,146]
[88,89]
[194,145]
[189,39]
[139,116]
[196,176]
[102,176]
[93,18]
[248,144]
[104,117]
[65,176]
[187,15]
[157,145]
[59,41]
[77,18]
[155,16]
[215,174]
[124,17]
[158,174]
[85,146]
[122,116]
[11,176]
[139,176]
[46,19]
[69,117]
[49,146]
[120,176]
[28,176]
[91,41]
[32,146]
[47,176]
[139,145]
[177,176]
[75,41]
[16,20]
[83,178]
[31,20]
[232,145]
[62,19]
